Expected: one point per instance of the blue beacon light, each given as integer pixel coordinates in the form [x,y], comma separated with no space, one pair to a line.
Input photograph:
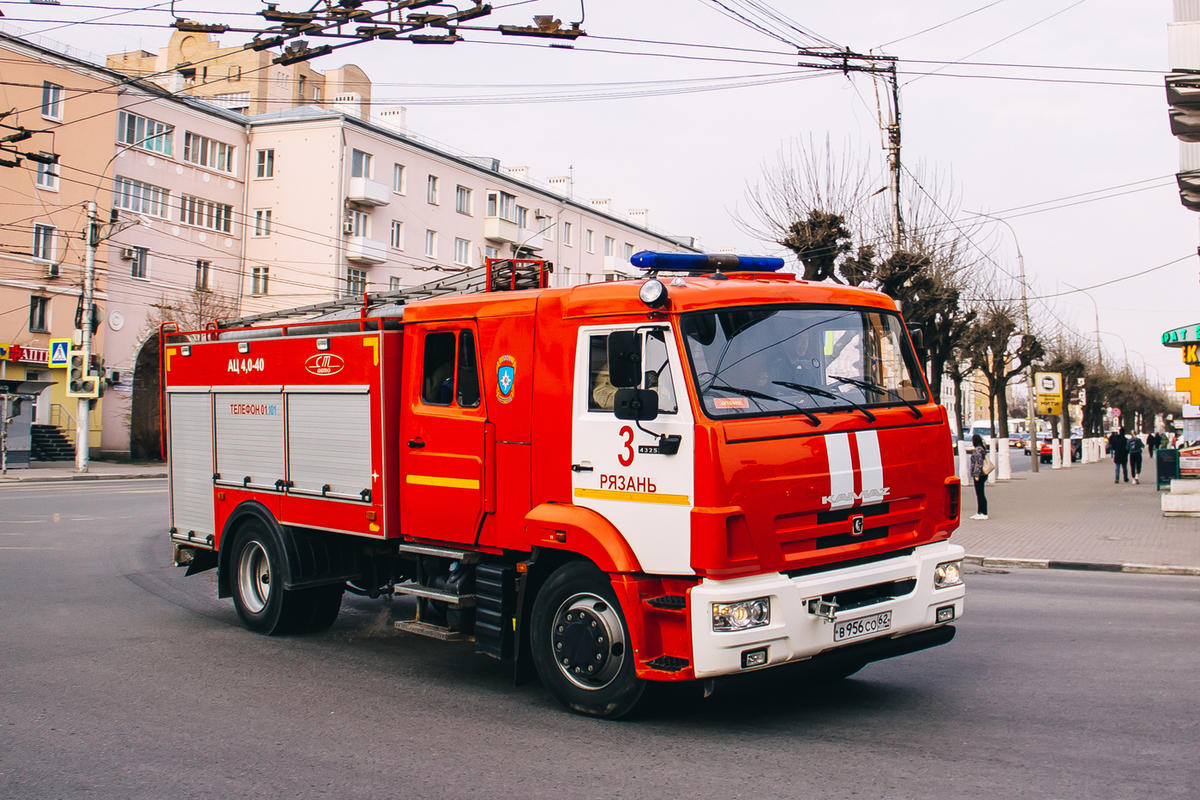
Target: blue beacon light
[704,262]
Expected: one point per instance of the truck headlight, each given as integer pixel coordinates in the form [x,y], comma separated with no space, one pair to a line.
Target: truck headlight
[742,615]
[948,573]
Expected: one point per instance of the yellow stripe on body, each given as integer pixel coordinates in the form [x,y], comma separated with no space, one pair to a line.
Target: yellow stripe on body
[635,497]
[437,480]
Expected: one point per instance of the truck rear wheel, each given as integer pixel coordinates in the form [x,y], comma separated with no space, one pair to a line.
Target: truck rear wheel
[580,643]
[258,579]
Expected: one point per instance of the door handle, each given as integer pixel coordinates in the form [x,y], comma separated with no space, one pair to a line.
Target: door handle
[581,467]
[414,443]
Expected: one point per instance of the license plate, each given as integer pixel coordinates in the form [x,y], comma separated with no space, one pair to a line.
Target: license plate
[862,626]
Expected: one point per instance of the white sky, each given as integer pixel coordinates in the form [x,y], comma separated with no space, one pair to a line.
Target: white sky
[688,157]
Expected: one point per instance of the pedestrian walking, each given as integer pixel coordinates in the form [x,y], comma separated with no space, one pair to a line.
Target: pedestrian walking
[1120,455]
[1134,447]
[979,475]
[1152,443]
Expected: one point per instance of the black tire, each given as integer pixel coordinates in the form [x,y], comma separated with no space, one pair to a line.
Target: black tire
[313,610]
[580,643]
[257,580]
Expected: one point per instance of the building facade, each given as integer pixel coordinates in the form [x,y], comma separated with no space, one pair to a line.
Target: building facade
[208,212]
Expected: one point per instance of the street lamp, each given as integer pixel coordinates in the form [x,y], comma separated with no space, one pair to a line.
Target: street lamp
[1029,403]
[1096,309]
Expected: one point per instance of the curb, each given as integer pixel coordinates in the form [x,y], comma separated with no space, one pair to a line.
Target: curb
[1084,566]
[8,480]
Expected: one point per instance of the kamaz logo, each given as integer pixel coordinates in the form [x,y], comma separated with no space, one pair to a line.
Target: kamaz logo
[324,364]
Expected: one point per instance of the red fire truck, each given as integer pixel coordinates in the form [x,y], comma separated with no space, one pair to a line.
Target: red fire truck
[713,470]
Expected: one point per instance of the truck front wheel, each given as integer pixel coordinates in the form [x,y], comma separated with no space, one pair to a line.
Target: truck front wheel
[580,643]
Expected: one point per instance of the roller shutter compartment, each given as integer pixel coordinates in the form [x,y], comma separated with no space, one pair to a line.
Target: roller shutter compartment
[190,452]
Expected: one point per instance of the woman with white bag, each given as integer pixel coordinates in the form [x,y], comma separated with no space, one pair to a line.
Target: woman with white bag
[981,467]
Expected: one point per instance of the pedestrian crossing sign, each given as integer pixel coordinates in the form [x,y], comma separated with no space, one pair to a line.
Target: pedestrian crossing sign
[58,352]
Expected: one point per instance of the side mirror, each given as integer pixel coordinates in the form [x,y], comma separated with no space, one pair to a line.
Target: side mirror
[625,359]
[635,404]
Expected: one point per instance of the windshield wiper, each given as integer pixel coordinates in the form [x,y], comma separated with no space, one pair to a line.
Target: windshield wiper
[755,395]
[803,387]
[883,390]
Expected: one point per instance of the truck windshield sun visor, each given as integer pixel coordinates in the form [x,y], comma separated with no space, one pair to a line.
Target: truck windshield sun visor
[782,360]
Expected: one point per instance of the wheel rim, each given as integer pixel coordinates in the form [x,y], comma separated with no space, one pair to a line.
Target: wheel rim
[254,577]
[587,641]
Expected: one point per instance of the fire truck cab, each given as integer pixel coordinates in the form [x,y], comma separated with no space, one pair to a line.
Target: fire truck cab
[683,478]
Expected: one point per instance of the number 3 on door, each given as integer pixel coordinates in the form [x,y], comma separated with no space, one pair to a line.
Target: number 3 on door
[626,458]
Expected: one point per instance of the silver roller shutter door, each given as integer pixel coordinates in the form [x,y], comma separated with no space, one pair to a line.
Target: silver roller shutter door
[190,417]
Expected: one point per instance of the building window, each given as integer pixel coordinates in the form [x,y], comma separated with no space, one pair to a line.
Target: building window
[399,179]
[628,252]
[462,200]
[490,252]
[356,281]
[360,164]
[610,246]
[431,190]
[589,240]
[139,265]
[47,175]
[264,163]
[462,252]
[393,284]
[148,134]
[431,244]
[234,101]
[206,214]
[547,227]
[202,270]
[258,280]
[205,152]
[397,239]
[566,234]
[39,310]
[143,198]
[52,101]
[502,205]
[262,222]
[522,217]
[359,223]
[44,241]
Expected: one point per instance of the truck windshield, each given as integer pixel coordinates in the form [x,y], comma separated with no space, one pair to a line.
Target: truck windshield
[800,360]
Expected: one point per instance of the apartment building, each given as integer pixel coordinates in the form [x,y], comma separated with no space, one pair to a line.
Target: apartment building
[380,210]
[195,65]
[58,107]
[208,213]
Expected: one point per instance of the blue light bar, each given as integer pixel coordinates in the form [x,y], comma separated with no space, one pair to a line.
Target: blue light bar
[704,262]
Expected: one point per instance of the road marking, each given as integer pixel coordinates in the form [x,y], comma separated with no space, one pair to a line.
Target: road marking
[15,547]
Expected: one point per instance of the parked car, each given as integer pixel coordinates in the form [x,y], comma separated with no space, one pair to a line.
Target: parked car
[1046,456]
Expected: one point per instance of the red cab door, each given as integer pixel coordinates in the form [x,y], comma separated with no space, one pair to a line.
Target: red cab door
[442,438]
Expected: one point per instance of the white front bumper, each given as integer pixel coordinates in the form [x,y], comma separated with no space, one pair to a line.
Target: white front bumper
[794,633]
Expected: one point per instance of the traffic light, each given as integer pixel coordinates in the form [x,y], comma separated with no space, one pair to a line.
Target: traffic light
[79,382]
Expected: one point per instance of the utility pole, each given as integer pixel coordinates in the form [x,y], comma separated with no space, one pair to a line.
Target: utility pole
[893,146]
[91,238]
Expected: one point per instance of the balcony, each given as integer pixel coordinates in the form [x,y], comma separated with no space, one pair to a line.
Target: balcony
[366,192]
[361,250]
[498,229]
[532,240]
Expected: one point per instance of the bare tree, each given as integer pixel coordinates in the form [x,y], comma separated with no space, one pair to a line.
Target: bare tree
[996,349]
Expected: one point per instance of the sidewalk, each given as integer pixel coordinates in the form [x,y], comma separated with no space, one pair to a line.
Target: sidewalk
[1077,518]
[97,471]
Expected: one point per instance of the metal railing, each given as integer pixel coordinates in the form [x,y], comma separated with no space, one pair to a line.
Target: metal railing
[63,420]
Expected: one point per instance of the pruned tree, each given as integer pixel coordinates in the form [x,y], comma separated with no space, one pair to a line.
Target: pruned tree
[999,352]
[1069,359]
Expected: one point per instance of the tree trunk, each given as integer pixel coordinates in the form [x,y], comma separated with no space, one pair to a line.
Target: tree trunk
[1002,414]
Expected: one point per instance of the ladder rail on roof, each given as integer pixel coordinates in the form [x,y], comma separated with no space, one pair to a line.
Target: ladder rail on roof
[465,282]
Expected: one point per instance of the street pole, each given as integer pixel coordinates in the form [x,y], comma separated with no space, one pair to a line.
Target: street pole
[83,408]
[894,162]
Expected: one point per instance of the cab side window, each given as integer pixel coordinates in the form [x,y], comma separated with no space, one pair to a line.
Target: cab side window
[600,389]
[437,386]
[467,394]
[447,379]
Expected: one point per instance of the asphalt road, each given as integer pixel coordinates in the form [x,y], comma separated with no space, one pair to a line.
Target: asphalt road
[122,678]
